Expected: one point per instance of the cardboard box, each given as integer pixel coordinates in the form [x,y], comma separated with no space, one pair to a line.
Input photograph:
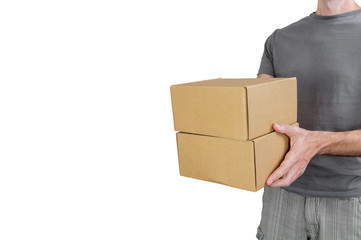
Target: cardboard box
[236,163]
[240,109]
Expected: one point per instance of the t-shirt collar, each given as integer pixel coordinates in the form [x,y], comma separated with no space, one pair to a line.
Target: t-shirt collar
[345,14]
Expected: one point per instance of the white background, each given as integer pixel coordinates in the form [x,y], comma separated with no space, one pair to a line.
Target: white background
[87,145]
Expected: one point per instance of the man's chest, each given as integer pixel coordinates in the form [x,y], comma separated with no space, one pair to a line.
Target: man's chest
[334,58]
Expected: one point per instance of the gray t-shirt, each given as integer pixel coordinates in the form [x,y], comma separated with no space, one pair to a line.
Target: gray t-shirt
[324,53]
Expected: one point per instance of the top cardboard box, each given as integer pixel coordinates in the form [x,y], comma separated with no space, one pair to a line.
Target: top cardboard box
[241,109]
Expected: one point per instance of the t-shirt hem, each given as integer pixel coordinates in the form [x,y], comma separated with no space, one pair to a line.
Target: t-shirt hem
[311,193]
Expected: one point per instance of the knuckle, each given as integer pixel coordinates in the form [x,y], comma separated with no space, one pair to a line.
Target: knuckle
[287,180]
[290,179]
[284,164]
[288,183]
[304,159]
[298,172]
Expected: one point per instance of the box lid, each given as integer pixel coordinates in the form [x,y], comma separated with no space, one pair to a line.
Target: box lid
[230,82]
[236,108]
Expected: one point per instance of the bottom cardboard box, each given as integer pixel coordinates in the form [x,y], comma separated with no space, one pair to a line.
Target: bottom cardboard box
[241,164]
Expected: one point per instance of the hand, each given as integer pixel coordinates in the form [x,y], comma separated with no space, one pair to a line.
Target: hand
[304,145]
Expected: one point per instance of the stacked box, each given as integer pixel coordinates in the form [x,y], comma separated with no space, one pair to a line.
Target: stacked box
[225,128]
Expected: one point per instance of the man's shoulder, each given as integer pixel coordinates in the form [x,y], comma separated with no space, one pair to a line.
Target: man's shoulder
[297,25]
[292,30]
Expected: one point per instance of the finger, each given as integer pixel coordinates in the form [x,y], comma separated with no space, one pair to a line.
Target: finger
[282,169]
[277,174]
[284,128]
[286,180]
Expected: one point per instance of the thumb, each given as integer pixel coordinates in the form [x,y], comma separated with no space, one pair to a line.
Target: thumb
[282,128]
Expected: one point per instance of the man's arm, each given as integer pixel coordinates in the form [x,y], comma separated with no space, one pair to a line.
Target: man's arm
[305,144]
[340,143]
[262,75]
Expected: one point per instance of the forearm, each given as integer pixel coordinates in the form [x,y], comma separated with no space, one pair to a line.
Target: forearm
[339,143]
[305,144]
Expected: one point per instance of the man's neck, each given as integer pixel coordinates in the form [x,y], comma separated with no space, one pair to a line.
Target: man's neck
[333,7]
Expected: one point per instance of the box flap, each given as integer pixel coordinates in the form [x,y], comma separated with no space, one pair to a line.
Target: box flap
[274,101]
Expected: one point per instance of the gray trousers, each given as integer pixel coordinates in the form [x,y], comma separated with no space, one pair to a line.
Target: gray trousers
[290,216]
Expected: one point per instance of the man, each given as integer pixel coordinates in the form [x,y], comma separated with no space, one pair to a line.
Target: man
[316,191]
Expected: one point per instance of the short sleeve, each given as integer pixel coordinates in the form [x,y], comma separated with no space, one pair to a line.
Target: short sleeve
[267,66]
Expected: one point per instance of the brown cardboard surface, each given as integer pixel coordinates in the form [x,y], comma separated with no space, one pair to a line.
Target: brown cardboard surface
[236,163]
[215,159]
[210,111]
[271,102]
[239,108]
[266,162]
